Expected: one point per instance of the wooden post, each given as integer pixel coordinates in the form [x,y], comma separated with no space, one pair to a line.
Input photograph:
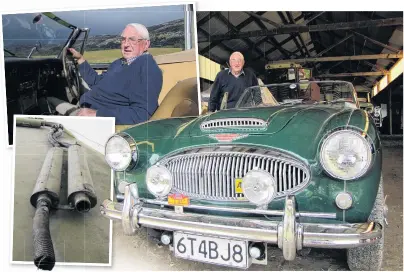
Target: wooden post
[390,114]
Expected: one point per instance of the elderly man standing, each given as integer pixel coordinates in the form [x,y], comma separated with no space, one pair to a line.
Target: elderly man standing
[128,91]
[233,81]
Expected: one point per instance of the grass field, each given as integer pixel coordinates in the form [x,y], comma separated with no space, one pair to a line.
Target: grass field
[108,56]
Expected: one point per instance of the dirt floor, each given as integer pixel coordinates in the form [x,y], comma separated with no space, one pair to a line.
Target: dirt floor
[76,237]
[138,253]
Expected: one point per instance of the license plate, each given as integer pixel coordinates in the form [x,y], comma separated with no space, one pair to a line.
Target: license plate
[215,250]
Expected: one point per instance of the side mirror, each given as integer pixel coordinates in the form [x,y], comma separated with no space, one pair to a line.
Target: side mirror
[37,19]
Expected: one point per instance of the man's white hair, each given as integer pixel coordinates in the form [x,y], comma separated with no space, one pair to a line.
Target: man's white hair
[143,32]
[237,54]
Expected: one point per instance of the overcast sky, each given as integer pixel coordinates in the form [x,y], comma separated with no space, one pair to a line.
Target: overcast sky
[110,21]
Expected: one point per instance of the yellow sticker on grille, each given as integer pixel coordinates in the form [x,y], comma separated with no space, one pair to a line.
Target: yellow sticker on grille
[178,200]
[239,189]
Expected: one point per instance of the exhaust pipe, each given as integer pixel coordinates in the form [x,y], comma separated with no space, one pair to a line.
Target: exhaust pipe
[49,178]
[46,193]
[44,197]
[81,202]
[56,130]
[81,193]
[35,123]
[29,122]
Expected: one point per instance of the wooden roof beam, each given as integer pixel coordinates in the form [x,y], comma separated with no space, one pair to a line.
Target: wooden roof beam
[299,28]
[339,58]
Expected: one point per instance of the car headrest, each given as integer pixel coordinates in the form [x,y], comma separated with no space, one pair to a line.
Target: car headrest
[181,100]
[185,108]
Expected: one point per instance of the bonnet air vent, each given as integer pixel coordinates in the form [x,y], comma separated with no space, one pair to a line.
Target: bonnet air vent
[237,123]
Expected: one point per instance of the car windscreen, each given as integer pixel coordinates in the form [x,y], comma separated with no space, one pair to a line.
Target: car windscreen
[23,32]
[362,96]
[303,92]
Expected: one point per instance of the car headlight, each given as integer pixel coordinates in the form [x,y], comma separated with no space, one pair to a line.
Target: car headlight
[345,155]
[259,187]
[159,180]
[121,152]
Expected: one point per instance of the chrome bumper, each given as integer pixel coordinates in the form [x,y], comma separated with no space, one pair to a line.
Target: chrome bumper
[288,234]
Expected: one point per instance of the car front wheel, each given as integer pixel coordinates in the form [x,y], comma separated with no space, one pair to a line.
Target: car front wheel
[370,257]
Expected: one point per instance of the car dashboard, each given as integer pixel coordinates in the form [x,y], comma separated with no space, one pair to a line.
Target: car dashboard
[29,80]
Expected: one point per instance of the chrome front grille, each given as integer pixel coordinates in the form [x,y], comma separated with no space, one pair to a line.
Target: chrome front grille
[239,123]
[208,174]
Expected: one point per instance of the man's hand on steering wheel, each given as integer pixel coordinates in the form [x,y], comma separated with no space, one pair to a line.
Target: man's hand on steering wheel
[70,59]
[79,57]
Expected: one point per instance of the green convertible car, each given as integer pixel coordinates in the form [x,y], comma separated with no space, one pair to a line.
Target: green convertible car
[292,165]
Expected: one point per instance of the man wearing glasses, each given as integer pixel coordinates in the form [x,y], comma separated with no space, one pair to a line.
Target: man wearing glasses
[232,81]
[128,91]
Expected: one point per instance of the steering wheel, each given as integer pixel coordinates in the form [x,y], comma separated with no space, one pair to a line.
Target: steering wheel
[70,71]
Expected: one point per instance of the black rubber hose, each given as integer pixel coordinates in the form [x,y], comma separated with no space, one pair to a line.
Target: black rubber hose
[44,255]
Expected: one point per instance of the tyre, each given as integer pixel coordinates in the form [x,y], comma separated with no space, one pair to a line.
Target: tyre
[370,257]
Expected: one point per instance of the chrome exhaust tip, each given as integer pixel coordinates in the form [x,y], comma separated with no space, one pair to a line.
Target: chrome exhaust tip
[81,202]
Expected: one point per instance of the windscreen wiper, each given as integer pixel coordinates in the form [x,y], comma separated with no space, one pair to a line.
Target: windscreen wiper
[9,52]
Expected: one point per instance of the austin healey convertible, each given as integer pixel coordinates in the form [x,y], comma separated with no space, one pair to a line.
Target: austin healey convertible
[293,165]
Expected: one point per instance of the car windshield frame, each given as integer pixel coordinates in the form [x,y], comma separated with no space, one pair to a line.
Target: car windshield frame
[47,43]
[262,101]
